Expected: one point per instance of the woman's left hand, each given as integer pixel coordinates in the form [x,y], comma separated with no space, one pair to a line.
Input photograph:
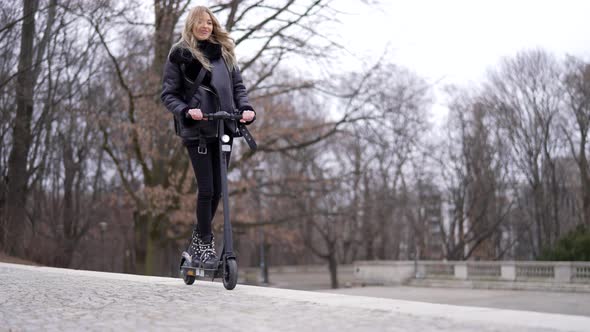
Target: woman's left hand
[247,116]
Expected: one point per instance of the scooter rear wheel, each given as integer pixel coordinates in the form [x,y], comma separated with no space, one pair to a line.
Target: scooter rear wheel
[189,280]
[230,274]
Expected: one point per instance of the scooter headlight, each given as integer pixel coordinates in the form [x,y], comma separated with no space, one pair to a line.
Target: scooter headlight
[225,139]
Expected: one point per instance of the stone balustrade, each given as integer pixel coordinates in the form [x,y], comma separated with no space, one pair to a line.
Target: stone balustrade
[478,274]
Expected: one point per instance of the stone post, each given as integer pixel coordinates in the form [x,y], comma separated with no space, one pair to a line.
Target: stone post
[461,270]
[508,271]
[563,272]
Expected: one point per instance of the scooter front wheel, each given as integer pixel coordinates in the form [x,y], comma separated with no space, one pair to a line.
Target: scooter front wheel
[230,274]
[189,280]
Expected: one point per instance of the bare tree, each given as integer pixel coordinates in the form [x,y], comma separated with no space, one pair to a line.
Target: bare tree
[19,172]
[524,94]
[357,195]
[325,222]
[396,101]
[576,82]
[474,166]
[346,193]
[9,37]
[273,32]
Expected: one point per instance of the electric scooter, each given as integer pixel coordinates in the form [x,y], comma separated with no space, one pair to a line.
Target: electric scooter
[227,267]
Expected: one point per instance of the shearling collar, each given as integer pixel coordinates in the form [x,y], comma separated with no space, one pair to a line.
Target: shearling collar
[180,54]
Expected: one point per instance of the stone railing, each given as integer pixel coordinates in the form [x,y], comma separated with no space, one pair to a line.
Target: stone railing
[488,272]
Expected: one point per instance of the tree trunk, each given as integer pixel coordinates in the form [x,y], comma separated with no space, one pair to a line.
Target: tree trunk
[149,248]
[140,240]
[18,174]
[70,231]
[166,16]
[333,265]
[556,229]
[583,166]
[538,206]
[148,245]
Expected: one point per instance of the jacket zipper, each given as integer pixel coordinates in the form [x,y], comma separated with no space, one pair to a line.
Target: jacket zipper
[206,88]
[231,81]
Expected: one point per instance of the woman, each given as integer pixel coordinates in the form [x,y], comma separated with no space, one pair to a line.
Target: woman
[201,76]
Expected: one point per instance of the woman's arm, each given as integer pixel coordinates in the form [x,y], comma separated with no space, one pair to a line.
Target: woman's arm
[241,94]
[172,89]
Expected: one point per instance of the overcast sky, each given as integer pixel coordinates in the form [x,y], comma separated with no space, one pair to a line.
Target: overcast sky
[456,41]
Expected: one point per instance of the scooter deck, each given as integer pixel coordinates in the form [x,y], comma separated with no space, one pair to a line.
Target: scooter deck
[200,271]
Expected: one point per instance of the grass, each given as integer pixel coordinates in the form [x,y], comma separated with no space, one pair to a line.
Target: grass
[4,258]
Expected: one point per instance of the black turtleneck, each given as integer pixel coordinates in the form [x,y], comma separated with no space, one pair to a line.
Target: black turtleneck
[211,50]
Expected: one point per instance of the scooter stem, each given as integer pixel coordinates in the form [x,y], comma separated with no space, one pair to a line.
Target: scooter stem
[228,248]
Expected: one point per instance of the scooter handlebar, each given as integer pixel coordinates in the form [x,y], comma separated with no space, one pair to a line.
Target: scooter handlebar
[222,115]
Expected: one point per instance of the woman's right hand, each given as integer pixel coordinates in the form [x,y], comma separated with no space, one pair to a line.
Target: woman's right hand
[195,114]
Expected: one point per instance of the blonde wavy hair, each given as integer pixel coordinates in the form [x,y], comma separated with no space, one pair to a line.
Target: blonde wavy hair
[218,36]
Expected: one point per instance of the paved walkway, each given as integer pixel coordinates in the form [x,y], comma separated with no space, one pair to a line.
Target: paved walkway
[318,279]
[49,299]
[548,302]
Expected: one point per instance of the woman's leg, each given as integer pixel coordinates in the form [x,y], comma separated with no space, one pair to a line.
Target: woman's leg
[203,169]
[208,175]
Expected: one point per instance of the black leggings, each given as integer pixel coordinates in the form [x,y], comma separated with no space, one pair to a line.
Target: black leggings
[208,175]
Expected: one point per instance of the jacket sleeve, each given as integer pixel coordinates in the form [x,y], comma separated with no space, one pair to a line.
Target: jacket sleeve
[241,94]
[172,89]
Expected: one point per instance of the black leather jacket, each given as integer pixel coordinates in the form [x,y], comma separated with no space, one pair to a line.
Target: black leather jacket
[180,72]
